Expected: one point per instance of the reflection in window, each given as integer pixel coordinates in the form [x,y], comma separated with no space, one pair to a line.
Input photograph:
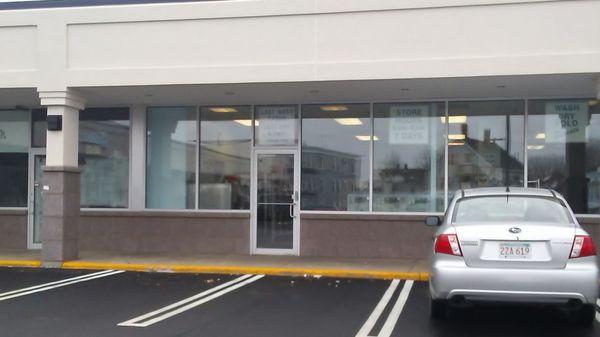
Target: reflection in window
[225,143]
[408,172]
[563,149]
[171,158]
[38,128]
[485,144]
[14,148]
[104,157]
[335,157]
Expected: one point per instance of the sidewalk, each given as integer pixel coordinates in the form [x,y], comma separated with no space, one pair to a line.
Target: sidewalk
[235,264]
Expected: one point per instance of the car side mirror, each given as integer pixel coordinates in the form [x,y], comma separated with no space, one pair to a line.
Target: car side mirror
[433,221]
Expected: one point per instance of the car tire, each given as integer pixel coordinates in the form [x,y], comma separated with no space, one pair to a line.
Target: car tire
[586,315]
[438,309]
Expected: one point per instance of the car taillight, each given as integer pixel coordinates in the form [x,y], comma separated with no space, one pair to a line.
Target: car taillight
[447,244]
[582,246]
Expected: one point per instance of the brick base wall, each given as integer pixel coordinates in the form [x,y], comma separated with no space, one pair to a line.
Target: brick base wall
[164,232]
[13,229]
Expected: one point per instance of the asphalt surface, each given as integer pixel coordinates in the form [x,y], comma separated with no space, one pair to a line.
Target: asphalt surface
[237,306]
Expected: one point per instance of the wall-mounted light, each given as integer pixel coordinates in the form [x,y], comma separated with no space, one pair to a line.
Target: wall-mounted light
[348,121]
[223,109]
[540,135]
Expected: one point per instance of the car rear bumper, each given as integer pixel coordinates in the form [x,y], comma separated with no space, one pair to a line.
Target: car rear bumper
[451,278]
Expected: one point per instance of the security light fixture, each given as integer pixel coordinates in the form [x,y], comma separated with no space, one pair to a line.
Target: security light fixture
[223,109]
[54,122]
[348,121]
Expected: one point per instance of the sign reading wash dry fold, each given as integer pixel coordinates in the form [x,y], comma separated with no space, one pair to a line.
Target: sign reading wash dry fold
[409,124]
[566,121]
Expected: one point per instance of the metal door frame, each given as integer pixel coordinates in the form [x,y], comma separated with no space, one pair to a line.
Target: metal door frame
[296,208]
[33,152]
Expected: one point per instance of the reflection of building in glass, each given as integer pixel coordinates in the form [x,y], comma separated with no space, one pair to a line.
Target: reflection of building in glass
[409,189]
[330,180]
[224,175]
[104,156]
[594,191]
[476,163]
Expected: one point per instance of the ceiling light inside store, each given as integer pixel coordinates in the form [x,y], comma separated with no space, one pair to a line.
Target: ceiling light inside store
[454,119]
[348,121]
[366,138]
[334,108]
[223,109]
[535,147]
[593,102]
[540,135]
[456,143]
[245,122]
[456,136]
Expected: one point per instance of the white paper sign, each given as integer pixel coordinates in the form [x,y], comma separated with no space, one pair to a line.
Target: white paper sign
[14,131]
[566,122]
[409,124]
[277,125]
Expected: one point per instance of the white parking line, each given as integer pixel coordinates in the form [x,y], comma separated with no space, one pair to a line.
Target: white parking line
[56,284]
[393,316]
[190,302]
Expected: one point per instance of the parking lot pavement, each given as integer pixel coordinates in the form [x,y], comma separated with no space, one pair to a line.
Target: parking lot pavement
[160,304]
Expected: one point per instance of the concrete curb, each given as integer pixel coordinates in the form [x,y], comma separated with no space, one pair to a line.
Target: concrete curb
[278,271]
[212,269]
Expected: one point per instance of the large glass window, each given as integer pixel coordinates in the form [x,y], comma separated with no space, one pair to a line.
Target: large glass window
[563,149]
[14,148]
[172,136]
[225,145]
[335,157]
[104,157]
[408,171]
[485,144]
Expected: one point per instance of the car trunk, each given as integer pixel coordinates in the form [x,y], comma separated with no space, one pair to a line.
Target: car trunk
[536,245]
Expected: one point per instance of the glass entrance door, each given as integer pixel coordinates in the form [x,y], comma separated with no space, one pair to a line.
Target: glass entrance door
[36,200]
[275,219]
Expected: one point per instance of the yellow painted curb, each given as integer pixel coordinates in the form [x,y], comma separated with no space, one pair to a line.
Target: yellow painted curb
[283,271]
[20,263]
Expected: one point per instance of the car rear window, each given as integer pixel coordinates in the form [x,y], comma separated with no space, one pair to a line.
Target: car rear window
[511,208]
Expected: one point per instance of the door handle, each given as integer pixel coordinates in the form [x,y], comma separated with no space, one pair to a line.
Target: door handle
[292,205]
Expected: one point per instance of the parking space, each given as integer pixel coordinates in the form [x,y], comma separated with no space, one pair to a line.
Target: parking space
[161,304]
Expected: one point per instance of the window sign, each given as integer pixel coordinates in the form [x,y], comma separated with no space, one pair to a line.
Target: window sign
[14,131]
[276,125]
[566,122]
[409,125]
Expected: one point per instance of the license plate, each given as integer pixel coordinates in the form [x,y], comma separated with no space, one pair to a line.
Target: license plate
[515,251]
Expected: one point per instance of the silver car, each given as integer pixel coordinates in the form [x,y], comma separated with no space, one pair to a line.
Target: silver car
[516,245]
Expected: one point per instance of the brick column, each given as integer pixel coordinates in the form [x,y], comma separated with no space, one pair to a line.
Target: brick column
[60,227]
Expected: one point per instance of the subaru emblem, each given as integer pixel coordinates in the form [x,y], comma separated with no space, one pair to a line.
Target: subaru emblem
[515,230]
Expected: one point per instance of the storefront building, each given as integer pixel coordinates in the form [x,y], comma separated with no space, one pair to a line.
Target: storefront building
[313,128]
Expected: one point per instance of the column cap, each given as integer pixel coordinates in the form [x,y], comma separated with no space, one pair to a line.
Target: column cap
[62,98]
